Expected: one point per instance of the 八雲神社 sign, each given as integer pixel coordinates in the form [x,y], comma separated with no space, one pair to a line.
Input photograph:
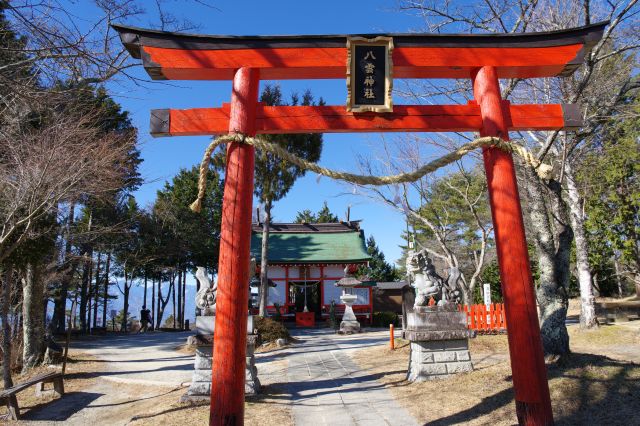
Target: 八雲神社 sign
[480,58]
[369,74]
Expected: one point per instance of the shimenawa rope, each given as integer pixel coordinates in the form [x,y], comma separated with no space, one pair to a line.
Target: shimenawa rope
[543,170]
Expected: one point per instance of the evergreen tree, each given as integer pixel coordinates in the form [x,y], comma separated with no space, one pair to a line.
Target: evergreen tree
[196,235]
[305,216]
[105,212]
[179,239]
[378,269]
[15,70]
[274,177]
[609,176]
[323,215]
[130,254]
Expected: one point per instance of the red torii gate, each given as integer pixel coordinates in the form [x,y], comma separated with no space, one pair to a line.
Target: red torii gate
[484,58]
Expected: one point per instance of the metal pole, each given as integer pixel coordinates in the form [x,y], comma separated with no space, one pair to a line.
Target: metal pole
[533,404]
[392,340]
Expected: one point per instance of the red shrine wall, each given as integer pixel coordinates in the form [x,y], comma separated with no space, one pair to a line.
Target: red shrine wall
[323,276]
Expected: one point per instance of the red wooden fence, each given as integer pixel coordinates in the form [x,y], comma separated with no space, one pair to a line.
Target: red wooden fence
[485,319]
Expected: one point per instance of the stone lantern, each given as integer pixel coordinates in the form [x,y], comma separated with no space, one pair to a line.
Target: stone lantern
[349,323]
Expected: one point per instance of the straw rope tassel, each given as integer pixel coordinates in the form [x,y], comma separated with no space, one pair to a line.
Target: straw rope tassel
[543,170]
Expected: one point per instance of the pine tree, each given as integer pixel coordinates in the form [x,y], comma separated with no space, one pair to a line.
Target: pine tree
[305,216]
[15,70]
[323,215]
[274,177]
[379,269]
[609,175]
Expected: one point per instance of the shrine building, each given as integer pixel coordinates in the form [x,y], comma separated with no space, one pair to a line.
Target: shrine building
[305,262]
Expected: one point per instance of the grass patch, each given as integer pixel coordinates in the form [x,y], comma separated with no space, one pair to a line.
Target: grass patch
[186,349]
[604,335]
[491,343]
[586,388]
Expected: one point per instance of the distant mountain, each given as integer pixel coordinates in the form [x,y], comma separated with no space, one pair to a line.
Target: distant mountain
[136,296]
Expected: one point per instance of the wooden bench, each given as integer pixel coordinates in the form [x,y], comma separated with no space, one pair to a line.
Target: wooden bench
[8,396]
[618,311]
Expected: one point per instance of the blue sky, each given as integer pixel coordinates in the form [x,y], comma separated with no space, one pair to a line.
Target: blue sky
[163,157]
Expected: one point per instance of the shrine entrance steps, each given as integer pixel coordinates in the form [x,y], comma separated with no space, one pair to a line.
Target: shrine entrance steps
[328,388]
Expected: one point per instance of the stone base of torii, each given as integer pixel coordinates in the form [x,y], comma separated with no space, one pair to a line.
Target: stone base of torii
[200,387]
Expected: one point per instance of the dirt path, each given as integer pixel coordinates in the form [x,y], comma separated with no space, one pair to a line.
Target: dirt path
[135,374]
[137,380]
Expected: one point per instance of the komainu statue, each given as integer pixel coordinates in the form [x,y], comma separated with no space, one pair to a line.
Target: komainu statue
[423,277]
[206,296]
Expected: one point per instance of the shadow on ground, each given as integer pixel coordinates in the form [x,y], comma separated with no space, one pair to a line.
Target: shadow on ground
[61,409]
[594,390]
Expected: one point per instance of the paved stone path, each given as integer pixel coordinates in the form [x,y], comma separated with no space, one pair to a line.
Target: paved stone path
[328,388]
[325,384]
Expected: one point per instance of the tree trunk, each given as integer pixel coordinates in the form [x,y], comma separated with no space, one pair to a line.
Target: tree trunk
[173,300]
[83,297]
[179,316]
[96,292]
[33,318]
[596,284]
[144,299]
[562,266]
[125,292]
[587,300]
[184,295]
[153,302]
[90,291]
[106,290]
[6,328]
[74,311]
[552,297]
[618,279]
[160,311]
[60,307]
[85,281]
[162,303]
[264,261]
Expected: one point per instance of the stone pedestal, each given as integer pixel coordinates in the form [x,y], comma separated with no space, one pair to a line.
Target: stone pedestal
[439,343]
[200,388]
[349,323]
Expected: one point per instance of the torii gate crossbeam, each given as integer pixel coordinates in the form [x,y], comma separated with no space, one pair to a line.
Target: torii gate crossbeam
[483,58]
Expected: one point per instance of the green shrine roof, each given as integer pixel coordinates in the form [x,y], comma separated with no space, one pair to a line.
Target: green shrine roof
[341,242]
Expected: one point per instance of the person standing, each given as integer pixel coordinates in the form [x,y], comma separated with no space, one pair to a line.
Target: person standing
[144,319]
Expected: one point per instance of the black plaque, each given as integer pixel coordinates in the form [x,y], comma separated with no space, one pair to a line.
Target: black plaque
[369,78]
[369,74]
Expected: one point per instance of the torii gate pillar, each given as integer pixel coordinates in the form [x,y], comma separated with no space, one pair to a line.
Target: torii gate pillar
[533,404]
[230,337]
[483,57]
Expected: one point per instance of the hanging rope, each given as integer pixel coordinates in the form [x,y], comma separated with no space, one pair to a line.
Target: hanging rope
[543,170]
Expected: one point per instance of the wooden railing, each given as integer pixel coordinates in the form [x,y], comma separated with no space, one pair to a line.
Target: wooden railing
[485,319]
